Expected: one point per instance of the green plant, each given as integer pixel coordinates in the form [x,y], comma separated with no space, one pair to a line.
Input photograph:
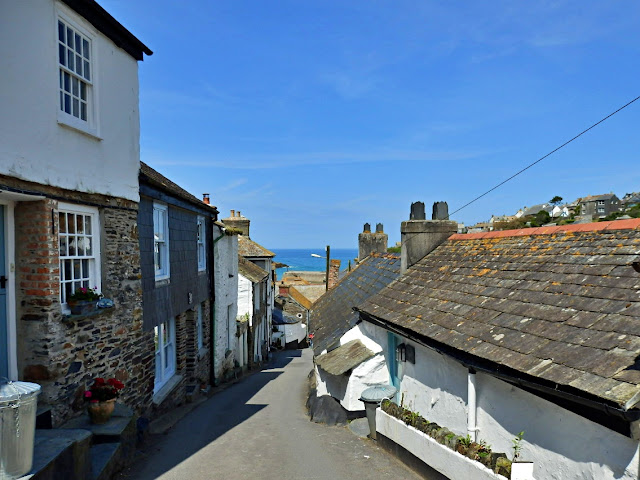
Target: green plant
[517,445]
[466,441]
[84,294]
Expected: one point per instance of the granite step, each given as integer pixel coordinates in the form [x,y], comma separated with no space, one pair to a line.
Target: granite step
[61,455]
[105,460]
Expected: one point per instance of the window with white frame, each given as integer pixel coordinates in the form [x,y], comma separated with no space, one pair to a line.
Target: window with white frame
[79,246]
[161,240]
[165,343]
[199,327]
[202,253]
[75,71]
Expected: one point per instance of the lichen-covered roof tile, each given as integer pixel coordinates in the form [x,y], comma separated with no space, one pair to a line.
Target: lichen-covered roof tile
[562,301]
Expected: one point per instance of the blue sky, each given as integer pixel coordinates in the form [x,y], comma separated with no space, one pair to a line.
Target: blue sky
[314,117]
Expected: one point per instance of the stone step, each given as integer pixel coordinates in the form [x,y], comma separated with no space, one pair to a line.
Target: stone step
[106,460]
[120,428]
[61,455]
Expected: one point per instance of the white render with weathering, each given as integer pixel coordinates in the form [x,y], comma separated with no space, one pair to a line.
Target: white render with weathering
[37,143]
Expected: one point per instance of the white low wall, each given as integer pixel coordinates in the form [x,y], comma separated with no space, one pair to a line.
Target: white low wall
[449,463]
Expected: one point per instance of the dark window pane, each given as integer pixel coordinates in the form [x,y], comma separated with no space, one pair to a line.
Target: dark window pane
[70,37]
[76,270]
[71,222]
[87,73]
[85,49]
[67,82]
[60,31]
[61,101]
[67,103]
[76,108]
[67,269]
[83,90]
[76,87]
[63,246]
[78,44]
[70,57]
[62,58]
[78,64]
[62,221]
[83,111]
[67,291]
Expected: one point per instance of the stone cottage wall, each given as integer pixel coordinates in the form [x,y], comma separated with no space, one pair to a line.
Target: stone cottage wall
[64,354]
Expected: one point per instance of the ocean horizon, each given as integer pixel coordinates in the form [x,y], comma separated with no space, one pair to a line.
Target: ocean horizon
[300,259]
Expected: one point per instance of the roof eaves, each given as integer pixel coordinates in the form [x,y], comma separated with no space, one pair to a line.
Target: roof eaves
[109,26]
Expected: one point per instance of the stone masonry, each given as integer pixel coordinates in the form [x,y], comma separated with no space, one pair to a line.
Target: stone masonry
[64,354]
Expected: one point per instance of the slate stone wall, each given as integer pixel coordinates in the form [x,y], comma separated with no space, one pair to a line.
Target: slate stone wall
[64,354]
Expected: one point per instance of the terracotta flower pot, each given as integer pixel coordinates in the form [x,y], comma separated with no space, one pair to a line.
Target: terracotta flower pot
[100,412]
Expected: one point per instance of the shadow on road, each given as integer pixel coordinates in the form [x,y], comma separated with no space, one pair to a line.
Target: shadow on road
[215,417]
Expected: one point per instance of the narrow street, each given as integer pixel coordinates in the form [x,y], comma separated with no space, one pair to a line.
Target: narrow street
[258,428]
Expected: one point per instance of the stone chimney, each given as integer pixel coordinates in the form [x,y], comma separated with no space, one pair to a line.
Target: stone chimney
[237,221]
[420,236]
[369,243]
[205,198]
[334,271]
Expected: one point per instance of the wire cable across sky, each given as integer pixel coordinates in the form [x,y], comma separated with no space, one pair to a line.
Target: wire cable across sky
[547,155]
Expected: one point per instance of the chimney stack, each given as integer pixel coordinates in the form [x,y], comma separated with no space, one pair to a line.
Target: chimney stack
[420,236]
[369,243]
[237,221]
[205,198]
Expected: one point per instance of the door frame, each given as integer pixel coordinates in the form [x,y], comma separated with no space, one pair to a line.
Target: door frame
[10,268]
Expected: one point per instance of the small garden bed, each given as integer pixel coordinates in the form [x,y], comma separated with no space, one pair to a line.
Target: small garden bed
[477,451]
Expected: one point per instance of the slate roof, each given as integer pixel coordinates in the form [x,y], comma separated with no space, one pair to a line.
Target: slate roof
[344,358]
[278,317]
[593,198]
[149,175]
[556,305]
[536,208]
[333,314]
[250,270]
[249,248]
[307,295]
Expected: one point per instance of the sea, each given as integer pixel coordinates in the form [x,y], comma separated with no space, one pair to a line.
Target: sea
[300,259]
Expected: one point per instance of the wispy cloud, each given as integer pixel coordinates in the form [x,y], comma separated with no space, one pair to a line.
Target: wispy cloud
[285,160]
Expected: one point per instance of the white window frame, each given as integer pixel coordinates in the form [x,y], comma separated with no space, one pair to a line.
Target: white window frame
[199,327]
[86,265]
[600,202]
[201,243]
[165,353]
[90,125]
[161,241]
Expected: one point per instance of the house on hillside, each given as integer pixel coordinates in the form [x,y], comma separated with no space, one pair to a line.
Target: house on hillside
[259,309]
[175,230]
[68,202]
[599,206]
[528,330]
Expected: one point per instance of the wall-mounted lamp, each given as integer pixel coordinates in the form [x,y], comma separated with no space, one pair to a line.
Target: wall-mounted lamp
[405,353]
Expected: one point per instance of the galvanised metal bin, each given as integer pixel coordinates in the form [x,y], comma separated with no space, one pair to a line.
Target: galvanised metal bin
[372,398]
[18,402]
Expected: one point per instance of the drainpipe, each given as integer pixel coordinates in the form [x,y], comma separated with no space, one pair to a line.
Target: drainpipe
[472,427]
[212,309]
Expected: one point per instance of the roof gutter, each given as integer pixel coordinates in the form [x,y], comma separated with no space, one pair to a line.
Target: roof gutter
[476,363]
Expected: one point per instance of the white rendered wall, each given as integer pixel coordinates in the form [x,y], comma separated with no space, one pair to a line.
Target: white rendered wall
[562,445]
[33,146]
[371,372]
[226,297]
[294,332]
[245,296]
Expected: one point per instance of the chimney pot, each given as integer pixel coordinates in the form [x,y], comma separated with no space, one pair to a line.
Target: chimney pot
[233,213]
[239,214]
[379,228]
[367,228]
[440,211]
[417,211]
[205,198]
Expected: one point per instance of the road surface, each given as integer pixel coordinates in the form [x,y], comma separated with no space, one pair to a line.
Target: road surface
[259,429]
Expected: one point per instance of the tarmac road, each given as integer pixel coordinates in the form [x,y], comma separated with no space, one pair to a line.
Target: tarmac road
[259,429]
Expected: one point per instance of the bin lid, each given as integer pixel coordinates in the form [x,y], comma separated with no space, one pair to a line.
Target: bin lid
[10,391]
[378,393]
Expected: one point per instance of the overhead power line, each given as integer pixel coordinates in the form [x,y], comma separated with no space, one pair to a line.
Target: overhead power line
[547,155]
